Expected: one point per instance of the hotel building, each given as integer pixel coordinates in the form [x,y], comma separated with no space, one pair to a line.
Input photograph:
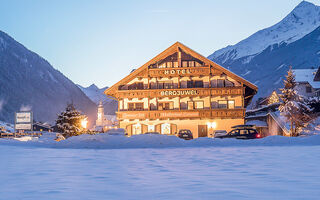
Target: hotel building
[181,89]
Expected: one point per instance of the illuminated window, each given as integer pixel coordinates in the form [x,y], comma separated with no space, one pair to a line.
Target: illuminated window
[191,63]
[175,64]
[184,63]
[199,104]
[231,104]
[223,104]
[197,64]
[162,65]
[169,64]
[190,105]
[165,128]
[136,129]
[166,105]
[150,128]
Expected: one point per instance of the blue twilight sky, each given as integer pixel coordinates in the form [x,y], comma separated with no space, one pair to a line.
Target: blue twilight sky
[101,41]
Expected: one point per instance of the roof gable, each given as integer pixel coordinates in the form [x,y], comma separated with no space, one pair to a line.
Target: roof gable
[171,51]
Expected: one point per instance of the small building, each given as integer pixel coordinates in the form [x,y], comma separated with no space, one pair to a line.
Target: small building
[308,82]
[181,89]
[104,122]
[38,126]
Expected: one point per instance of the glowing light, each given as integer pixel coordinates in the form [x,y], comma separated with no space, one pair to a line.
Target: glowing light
[84,123]
[212,125]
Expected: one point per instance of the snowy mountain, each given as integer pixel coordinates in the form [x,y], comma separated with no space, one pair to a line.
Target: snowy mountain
[301,21]
[96,95]
[28,81]
[265,57]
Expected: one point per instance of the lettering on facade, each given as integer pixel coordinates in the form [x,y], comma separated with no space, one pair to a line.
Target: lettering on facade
[177,71]
[179,114]
[179,93]
[134,115]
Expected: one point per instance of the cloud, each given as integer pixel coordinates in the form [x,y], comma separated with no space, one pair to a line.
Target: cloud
[25,108]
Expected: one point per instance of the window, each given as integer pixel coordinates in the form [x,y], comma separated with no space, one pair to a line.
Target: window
[198,84]
[189,84]
[244,132]
[165,128]
[184,63]
[195,84]
[162,65]
[135,106]
[136,86]
[166,85]
[229,83]
[139,106]
[175,64]
[220,83]
[169,64]
[190,105]
[136,129]
[231,104]
[234,132]
[199,104]
[191,63]
[197,64]
[214,83]
[166,105]
[151,128]
[226,104]
[222,104]
[130,106]
[308,89]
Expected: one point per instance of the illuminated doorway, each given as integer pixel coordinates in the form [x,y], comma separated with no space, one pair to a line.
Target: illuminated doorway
[165,128]
[136,129]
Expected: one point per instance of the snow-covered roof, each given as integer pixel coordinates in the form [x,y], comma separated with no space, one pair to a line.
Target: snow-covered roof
[307,75]
[257,123]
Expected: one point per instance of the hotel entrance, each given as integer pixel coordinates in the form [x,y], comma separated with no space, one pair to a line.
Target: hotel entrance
[202,131]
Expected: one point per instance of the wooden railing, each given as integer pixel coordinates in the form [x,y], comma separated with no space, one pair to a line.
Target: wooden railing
[181,114]
[182,92]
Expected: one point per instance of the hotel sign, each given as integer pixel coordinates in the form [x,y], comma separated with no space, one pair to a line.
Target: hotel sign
[179,93]
[186,71]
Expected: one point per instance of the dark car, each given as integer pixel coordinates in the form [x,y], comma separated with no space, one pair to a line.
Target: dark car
[185,134]
[242,132]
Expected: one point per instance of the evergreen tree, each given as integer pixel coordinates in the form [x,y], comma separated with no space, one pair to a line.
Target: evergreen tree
[69,122]
[293,106]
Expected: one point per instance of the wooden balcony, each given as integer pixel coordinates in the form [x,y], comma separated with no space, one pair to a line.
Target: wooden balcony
[179,71]
[182,92]
[181,114]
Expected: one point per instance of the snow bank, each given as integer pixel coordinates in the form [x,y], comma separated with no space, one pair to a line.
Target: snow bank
[106,141]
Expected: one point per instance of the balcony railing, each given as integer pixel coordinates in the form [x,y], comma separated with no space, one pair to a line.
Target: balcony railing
[181,114]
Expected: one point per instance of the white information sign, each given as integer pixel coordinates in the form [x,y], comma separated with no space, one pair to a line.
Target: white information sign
[23,126]
[23,117]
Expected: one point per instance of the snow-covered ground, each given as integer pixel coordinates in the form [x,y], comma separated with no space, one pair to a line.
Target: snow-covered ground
[160,167]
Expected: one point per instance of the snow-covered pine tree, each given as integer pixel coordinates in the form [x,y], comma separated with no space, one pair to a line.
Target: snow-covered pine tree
[69,122]
[293,106]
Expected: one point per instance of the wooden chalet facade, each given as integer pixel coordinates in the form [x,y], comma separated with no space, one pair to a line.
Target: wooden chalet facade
[181,89]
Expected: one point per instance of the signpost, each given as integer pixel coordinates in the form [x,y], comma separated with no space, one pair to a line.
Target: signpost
[23,121]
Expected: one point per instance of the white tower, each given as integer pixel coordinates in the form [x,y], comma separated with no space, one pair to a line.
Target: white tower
[100,119]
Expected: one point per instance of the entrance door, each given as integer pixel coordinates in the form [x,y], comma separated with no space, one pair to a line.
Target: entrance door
[202,131]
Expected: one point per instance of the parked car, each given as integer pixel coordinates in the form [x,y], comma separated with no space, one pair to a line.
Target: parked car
[219,133]
[242,132]
[185,134]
